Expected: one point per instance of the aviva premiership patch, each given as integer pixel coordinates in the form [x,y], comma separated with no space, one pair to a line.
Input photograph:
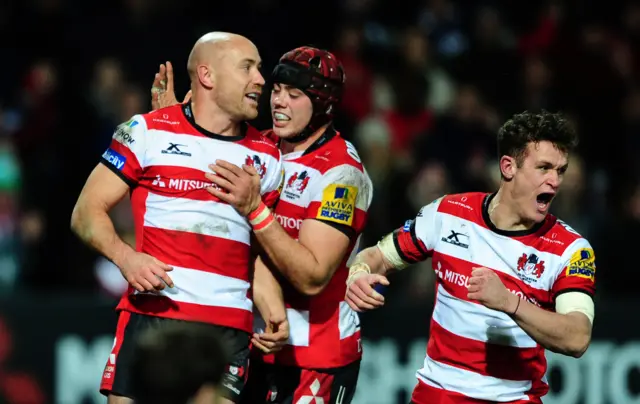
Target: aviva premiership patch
[583,264]
[338,204]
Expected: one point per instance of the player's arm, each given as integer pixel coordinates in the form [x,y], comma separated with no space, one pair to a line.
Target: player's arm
[568,329]
[408,245]
[268,298]
[90,219]
[109,182]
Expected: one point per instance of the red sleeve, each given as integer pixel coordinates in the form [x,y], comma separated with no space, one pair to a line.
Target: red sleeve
[410,248]
[126,151]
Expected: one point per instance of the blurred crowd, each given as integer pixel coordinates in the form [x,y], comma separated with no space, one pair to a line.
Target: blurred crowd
[429,82]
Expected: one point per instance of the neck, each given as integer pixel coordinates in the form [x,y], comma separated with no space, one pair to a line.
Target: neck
[304,145]
[503,212]
[211,117]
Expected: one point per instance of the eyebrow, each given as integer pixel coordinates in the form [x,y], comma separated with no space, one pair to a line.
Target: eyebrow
[252,61]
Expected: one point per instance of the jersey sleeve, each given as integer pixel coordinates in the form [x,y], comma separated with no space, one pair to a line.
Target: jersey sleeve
[273,183]
[578,270]
[125,155]
[341,199]
[417,239]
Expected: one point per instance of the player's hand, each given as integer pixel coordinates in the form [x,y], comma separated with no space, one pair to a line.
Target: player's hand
[486,287]
[145,273]
[360,293]
[274,337]
[162,90]
[242,185]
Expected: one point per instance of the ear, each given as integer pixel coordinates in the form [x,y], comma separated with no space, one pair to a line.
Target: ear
[508,167]
[206,76]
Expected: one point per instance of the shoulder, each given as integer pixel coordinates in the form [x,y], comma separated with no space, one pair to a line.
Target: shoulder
[338,154]
[461,204]
[259,143]
[168,118]
[565,235]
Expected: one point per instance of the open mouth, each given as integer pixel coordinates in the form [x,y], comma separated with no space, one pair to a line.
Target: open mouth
[279,116]
[253,96]
[544,200]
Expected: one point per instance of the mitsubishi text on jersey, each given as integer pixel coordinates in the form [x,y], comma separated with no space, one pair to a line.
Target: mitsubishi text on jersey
[327,182]
[475,354]
[163,156]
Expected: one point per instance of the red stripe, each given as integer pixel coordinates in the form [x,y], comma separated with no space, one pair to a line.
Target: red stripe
[198,251]
[314,387]
[164,307]
[178,182]
[500,361]
[270,198]
[110,369]
[411,251]
[455,274]
[131,168]
[359,218]
[425,394]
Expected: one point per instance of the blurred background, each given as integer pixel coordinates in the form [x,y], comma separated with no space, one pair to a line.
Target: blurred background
[428,84]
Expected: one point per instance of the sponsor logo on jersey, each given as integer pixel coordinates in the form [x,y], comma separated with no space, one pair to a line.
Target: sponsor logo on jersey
[115,158]
[457,239]
[177,149]
[123,133]
[181,184]
[289,222]
[338,204]
[530,268]
[256,163]
[583,264]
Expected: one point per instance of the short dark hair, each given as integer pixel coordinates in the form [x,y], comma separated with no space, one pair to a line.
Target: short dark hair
[173,362]
[527,127]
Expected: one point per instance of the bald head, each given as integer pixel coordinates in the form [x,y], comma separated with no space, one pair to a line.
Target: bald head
[212,47]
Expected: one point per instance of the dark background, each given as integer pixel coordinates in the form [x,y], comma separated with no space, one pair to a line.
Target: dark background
[428,84]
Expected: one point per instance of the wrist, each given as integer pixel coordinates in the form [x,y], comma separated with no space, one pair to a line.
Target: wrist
[356,271]
[513,304]
[261,217]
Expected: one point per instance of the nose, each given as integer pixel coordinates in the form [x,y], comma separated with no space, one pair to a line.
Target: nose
[554,179]
[259,79]
[277,99]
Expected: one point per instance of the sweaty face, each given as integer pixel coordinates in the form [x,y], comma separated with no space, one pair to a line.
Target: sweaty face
[238,82]
[537,180]
[291,110]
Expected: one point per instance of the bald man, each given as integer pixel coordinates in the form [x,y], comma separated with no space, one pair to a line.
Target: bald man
[191,261]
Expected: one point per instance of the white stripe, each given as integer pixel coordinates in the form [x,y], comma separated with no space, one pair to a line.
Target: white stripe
[299,326]
[476,322]
[207,289]
[450,378]
[349,322]
[205,151]
[290,194]
[200,217]
[489,249]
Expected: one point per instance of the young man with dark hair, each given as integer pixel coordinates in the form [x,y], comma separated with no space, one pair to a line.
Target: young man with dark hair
[512,279]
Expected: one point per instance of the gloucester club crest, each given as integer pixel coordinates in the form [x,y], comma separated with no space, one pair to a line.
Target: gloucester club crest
[530,268]
[256,163]
[296,184]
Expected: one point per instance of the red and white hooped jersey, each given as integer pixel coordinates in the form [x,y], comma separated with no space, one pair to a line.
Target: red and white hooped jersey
[475,354]
[326,182]
[163,156]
